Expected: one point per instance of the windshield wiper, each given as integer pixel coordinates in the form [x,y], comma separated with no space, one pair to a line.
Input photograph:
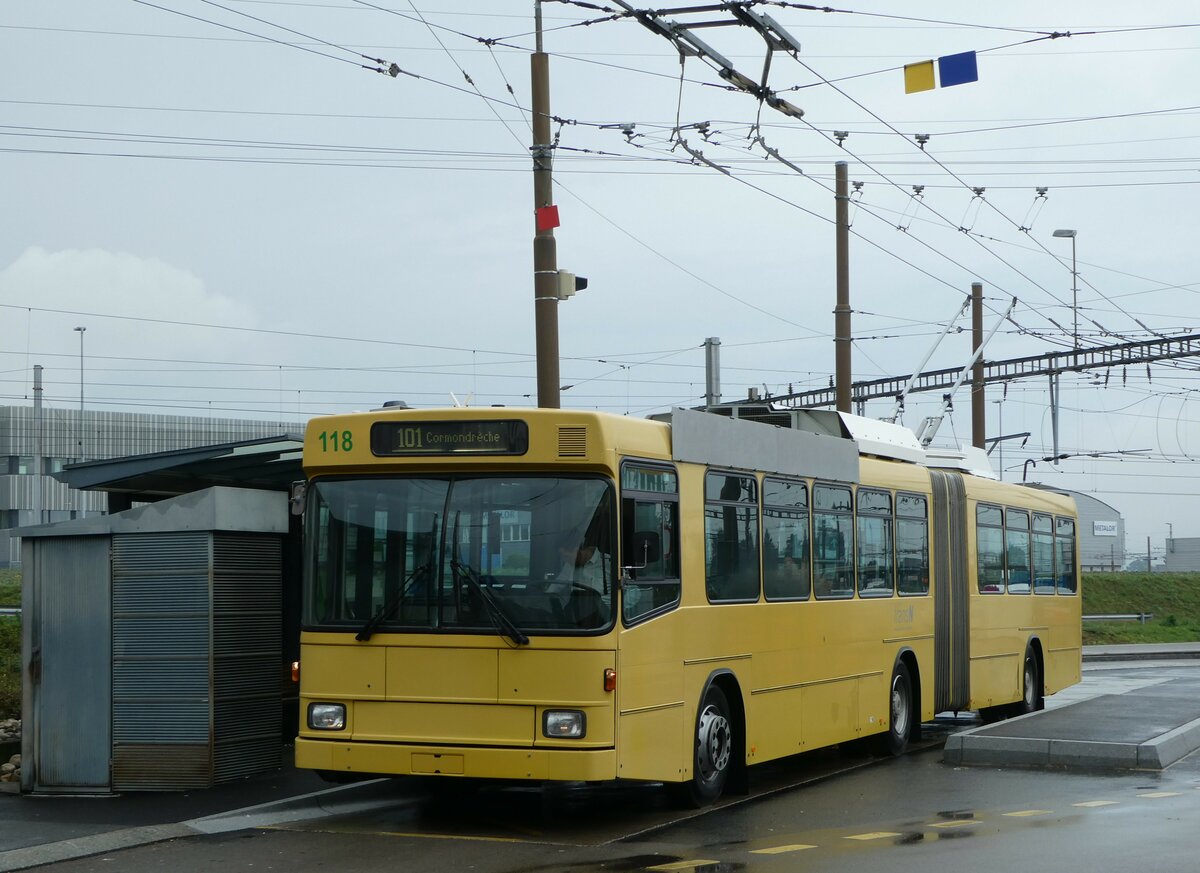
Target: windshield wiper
[506,624]
[421,572]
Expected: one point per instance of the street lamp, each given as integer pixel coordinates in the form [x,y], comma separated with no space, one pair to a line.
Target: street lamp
[1066,233]
[81,428]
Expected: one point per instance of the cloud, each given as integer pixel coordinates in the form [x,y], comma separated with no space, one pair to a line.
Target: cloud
[144,343]
[117,284]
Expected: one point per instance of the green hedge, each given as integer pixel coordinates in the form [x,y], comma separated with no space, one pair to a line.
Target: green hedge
[10,667]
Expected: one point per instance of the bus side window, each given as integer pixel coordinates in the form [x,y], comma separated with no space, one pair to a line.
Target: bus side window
[1064,546]
[989,548]
[649,541]
[912,544]
[787,561]
[833,542]
[731,554]
[1043,554]
[874,536]
[1016,550]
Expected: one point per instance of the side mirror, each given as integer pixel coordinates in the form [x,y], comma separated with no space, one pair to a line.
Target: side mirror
[298,497]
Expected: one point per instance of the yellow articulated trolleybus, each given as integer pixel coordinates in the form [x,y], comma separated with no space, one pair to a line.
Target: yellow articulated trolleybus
[539,594]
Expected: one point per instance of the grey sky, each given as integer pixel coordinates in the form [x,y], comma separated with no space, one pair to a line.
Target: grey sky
[363,237]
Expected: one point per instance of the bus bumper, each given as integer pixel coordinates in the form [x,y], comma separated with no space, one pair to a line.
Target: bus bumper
[568,765]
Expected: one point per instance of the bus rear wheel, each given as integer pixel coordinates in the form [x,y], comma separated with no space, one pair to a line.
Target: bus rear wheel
[713,755]
[1031,687]
[900,712]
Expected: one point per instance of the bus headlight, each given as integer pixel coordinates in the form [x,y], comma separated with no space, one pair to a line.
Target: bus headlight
[564,724]
[326,716]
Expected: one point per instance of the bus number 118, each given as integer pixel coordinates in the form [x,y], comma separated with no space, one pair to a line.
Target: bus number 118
[336,441]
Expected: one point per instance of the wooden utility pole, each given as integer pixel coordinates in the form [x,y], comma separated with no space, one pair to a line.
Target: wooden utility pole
[545,256]
[978,418]
[841,312]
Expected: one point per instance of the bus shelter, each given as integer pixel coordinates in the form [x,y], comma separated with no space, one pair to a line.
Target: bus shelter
[152,644]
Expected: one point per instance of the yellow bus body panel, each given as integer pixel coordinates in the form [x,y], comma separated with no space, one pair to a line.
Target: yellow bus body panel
[484,763]
[442,696]
[805,674]
[1002,626]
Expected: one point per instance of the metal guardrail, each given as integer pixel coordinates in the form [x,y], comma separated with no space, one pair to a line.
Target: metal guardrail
[1141,617]
[10,610]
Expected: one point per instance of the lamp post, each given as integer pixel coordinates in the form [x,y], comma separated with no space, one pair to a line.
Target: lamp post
[81,427]
[1067,233]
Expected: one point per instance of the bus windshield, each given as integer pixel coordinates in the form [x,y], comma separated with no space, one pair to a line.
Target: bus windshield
[513,555]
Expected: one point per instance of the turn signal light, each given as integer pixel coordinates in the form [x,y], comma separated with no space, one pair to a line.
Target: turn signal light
[296,671]
[610,679]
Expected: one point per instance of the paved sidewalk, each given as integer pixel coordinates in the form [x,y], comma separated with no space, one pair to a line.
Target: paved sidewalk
[1136,721]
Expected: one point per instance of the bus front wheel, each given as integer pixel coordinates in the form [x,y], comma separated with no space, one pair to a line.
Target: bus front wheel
[713,755]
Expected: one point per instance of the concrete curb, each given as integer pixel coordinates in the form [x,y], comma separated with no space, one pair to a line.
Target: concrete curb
[974,748]
[96,844]
[1165,750]
[331,801]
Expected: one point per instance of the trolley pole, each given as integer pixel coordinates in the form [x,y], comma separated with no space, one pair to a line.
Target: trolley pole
[978,418]
[841,312]
[545,256]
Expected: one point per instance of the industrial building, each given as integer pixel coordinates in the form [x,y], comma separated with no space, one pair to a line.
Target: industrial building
[1183,555]
[29,493]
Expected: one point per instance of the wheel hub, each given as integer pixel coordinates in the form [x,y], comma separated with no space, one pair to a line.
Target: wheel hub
[899,709]
[714,741]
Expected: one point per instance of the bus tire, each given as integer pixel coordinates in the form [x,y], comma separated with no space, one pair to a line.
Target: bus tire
[900,711]
[712,757]
[1032,699]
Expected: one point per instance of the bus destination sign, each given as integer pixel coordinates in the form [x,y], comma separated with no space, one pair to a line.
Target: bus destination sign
[391,438]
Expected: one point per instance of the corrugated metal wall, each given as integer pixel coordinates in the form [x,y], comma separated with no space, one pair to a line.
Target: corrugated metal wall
[197,647]
[71,639]
[247,653]
[162,660]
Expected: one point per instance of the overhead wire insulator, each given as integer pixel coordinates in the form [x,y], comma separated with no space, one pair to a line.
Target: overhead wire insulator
[1035,209]
[972,211]
[911,207]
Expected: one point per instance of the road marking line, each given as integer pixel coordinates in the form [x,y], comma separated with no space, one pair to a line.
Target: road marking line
[682,865]
[1161,794]
[349,831]
[1096,803]
[779,850]
[1025,813]
[875,835]
[960,823]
